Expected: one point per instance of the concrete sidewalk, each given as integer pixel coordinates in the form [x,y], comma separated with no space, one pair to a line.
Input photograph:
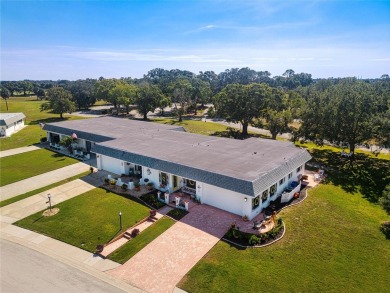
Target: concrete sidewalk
[28,206]
[42,180]
[76,257]
[21,150]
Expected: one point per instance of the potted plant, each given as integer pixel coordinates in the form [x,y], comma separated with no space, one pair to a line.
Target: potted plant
[99,248]
[135,232]
[149,185]
[124,187]
[112,183]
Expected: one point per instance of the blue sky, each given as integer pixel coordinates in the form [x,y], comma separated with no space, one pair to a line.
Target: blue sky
[89,39]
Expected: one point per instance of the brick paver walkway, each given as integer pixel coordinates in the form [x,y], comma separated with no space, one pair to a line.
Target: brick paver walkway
[163,263]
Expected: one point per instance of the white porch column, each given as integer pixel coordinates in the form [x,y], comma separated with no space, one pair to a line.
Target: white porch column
[199,191]
[99,161]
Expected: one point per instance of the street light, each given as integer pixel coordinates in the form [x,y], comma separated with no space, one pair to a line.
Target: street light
[49,201]
[120,219]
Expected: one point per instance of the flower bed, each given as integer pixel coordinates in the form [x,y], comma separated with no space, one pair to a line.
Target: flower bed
[248,239]
[177,214]
[151,199]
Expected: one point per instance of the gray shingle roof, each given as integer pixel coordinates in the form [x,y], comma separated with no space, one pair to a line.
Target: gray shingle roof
[246,166]
[9,118]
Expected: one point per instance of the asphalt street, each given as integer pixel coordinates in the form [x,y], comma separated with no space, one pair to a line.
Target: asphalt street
[25,270]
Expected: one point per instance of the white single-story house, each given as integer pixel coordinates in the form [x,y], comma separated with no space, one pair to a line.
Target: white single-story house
[239,176]
[11,123]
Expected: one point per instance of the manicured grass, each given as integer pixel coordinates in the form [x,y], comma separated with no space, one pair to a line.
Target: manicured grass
[195,126]
[31,134]
[128,250]
[36,191]
[18,167]
[88,220]
[312,146]
[332,244]
[364,174]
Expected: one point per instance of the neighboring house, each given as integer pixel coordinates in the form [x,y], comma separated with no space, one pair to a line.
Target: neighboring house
[11,123]
[239,176]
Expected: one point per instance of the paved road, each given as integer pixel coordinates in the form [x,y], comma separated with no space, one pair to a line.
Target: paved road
[26,270]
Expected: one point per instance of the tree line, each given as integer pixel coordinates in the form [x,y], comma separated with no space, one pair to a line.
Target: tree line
[342,111]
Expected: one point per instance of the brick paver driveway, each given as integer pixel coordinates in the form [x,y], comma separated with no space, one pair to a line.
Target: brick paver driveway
[162,264]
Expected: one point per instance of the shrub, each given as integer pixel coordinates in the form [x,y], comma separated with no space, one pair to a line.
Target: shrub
[385,228]
[43,139]
[177,214]
[253,240]
[106,181]
[151,199]
[112,181]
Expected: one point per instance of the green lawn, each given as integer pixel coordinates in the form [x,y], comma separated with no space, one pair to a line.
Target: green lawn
[87,220]
[30,135]
[18,167]
[195,126]
[332,244]
[36,191]
[312,146]
[128,250]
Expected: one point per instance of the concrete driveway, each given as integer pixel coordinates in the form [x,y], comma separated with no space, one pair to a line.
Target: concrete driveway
[164,262]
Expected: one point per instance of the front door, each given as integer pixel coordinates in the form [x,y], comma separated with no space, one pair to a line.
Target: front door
[88,145]
[175,182]
[164,178]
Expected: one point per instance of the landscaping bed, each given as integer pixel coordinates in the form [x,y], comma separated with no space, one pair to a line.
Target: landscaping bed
[177,214]
[234,235]
[151,199]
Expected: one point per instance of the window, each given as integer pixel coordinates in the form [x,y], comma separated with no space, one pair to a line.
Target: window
[299,169]
[264,195]
[255,202]
[290,175]
[272,190]
[281,181]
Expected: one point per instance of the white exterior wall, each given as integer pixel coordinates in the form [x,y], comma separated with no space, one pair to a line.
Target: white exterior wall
[225,199]
[111,165]
[153,177]
[11,129]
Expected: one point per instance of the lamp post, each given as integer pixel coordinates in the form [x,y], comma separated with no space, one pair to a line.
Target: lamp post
[120,219]
[49,201]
